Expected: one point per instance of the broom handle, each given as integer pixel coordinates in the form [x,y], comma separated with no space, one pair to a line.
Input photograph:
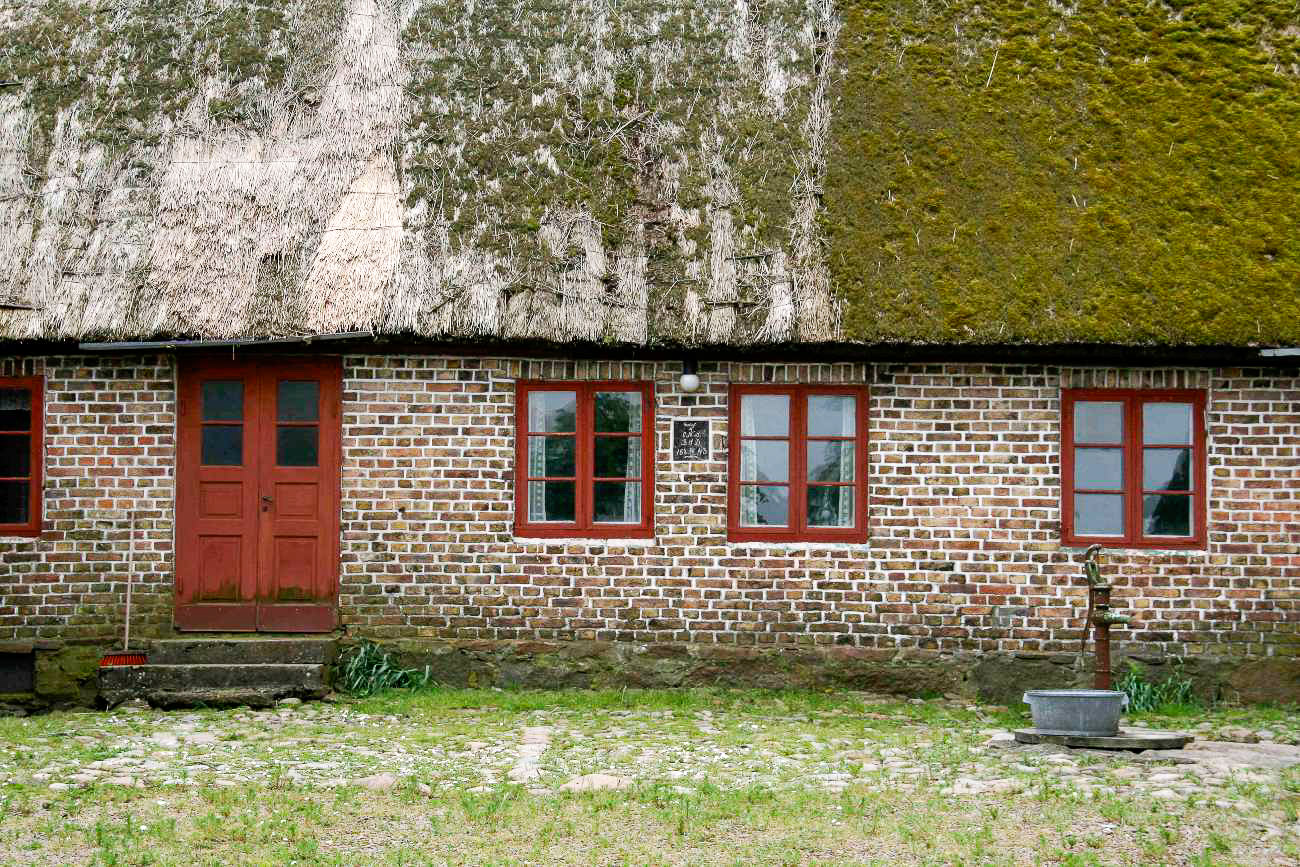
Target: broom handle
[130,568]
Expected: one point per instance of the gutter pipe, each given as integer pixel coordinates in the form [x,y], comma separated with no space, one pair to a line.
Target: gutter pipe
[131,345]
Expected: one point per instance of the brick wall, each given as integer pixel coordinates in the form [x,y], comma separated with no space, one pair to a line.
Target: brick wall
[109,456]
[964,519]
[964,516]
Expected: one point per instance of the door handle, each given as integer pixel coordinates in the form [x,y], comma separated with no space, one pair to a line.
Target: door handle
[266,503]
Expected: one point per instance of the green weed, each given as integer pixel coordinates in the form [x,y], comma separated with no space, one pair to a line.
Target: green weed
[367,669]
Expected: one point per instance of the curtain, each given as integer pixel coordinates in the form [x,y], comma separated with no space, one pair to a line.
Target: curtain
[848,427]
[536,460]
[748,463]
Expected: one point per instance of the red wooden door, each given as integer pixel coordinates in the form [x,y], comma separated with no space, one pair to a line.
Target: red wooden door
[257,498]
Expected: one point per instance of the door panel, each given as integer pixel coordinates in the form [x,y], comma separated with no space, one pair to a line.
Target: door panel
[258,494]
[216,498]
[298,569]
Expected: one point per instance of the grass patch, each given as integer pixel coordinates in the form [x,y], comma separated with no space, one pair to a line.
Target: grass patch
[366,668]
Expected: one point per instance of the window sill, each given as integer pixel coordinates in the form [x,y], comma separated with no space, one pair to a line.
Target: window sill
[634,541]
[1129,548]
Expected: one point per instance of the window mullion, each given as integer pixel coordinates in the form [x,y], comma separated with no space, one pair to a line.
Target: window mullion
[798,461]
[1133,468]
[584,456]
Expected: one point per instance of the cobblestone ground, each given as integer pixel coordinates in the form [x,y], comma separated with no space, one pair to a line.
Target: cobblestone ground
[1233,794]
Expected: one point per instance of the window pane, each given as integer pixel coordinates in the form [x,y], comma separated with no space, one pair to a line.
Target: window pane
[15,502]
[1167,424]
[830,507]
[1099,468]
[618,457]
[832,415]
[551,456]
[552,411]
[830,461]
[223,401]
[298,401]
[223,445]
[1098,422]
[1167,515]
[296,446]
[1167,469]
[764,461]
[617,502]
[15,456]
[765,415]
[618,411]
[15,409]
[1099,514]
[551,501]
[764,505]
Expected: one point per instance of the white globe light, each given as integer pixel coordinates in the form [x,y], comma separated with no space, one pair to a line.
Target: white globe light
[690,382]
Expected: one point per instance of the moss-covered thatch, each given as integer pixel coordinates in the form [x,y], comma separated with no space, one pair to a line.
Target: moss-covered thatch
[568,170]
[1015,171]
[652,172]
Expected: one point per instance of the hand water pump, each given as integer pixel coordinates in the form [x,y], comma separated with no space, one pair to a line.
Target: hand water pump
[1101,621]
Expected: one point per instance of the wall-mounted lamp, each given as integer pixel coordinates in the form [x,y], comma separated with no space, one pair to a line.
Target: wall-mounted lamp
[690,381]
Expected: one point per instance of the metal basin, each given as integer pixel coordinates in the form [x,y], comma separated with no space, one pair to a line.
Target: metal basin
[1076,711]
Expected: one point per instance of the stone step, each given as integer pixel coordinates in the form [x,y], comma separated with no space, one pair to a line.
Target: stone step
[243,651]
[170,685]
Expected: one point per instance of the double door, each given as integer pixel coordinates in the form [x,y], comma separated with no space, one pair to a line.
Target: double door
[257,496]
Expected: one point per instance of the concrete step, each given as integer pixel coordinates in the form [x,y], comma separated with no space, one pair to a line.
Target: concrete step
[243,651]
[171,685]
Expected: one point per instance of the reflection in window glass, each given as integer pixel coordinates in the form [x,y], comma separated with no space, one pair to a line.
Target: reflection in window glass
[618,457]
[764,461]
[1099,468]
[1098,422]
[551,501]
[832,415]
[830,461]
[1099,514]
[764,506]
[765,415]
[618,411]
[552,411]
[15,502]
[551,456]
[15,456]
[617,502]
[1167,424]
[1167,515]
[15,409]
[830,506]
[1167,469]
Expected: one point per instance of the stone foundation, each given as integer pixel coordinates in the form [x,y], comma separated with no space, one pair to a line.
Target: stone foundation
[999,678]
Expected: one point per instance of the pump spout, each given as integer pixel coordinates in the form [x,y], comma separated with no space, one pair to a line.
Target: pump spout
[1091,568]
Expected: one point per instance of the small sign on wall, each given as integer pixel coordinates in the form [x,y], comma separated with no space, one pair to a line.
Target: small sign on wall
[690,439]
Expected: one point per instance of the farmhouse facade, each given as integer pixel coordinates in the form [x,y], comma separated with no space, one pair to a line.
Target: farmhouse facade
[679,348]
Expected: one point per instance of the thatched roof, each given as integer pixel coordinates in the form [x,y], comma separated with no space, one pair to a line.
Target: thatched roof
[649,172]
[1086,171]
[638,172]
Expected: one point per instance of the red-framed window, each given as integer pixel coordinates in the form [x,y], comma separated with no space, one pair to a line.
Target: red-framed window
[1133,468]
[585,459]
[21,430]
[798,464]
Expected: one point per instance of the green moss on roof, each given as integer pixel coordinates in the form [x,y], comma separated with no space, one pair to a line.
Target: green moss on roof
[1109,172]
[132,69]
